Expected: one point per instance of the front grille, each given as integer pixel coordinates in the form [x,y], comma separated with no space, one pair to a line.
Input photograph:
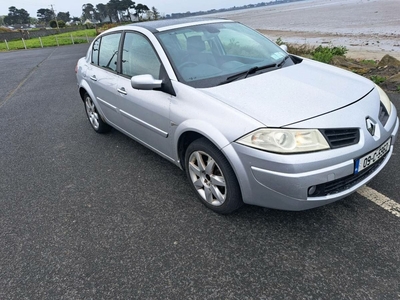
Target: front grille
[338,138]
[383,114]
[345,183]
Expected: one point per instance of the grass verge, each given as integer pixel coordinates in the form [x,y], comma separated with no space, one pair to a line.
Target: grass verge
[75,37]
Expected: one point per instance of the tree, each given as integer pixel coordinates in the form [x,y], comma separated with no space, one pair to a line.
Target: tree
[102,11]
[87,11]
[114,7]
[33,20]
[125,5]
[65,16]
[45,15]
[140,10]
[155,13]
[24,16]
[16,16]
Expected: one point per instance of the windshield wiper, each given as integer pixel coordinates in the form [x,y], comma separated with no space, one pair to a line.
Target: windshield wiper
[280,64]
[244,74]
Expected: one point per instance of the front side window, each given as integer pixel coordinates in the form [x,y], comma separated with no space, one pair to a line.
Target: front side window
[211,54]
[139,56]
[105,51]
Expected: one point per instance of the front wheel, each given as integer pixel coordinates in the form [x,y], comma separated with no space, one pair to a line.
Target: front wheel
[94,117]
[212,177]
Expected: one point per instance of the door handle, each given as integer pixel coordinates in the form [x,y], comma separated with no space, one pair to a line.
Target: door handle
[122,90]
[94,78]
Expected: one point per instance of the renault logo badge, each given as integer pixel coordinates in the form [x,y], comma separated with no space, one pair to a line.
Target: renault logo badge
[370,126]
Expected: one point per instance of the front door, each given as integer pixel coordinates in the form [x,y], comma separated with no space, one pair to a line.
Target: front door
[145,113]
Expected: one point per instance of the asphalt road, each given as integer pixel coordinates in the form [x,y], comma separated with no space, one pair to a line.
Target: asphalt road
[89,216]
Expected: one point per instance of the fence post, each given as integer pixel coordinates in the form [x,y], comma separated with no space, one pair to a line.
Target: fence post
[8,49]
[40,39]
[87,37]
[57,42]
[72,39]
[23,41]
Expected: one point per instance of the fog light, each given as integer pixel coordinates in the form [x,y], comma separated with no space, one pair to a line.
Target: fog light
[311,190]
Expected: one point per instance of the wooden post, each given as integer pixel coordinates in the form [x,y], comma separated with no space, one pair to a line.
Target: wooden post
[23,41]
[40,40]
[72,39]
[7,45]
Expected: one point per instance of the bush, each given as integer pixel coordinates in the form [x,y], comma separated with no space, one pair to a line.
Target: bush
[325,54]
[302,50]
[53,24]
[378,79]
[279,41]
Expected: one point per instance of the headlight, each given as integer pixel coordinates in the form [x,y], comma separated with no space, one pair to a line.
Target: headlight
[384,99]
[285,140]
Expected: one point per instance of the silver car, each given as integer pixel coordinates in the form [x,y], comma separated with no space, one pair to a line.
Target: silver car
[248,122]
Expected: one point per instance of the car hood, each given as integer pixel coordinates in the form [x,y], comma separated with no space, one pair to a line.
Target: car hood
[293,94]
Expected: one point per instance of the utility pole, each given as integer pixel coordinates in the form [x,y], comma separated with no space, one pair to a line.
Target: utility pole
[55,17]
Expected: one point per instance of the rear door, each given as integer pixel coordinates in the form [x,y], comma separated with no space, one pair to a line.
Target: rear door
[103,78]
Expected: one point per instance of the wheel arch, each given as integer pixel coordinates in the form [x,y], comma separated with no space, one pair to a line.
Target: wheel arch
[82,92]
[191,130]
[85,88]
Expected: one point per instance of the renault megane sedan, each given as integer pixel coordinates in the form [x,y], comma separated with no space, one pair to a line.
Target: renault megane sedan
[247,121]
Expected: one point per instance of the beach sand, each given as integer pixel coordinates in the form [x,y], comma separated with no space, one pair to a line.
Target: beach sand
[368,28]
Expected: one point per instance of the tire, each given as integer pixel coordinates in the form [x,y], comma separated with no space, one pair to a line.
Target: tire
[94,117]
[212,177]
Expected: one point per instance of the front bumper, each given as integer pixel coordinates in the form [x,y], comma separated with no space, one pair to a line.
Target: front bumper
[283,181]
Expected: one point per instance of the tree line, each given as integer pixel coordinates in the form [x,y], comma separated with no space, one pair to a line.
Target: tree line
[119,11]
[112,11]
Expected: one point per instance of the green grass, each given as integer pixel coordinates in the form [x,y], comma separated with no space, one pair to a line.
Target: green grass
[369,62]
[321,53]
[78,37]
[325,54]
[378,79]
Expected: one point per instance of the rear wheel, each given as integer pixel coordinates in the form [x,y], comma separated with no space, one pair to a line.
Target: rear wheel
[212,177]
[94,117]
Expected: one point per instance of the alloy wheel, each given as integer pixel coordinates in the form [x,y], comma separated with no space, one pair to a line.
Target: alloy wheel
[207,178]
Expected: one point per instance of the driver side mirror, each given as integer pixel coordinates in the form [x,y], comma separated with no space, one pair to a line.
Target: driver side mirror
[145,82]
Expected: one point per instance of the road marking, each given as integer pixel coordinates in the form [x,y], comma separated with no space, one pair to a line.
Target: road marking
[381,200]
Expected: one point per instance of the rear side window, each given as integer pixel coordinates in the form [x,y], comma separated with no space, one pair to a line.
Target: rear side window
[105,51]
[95,51]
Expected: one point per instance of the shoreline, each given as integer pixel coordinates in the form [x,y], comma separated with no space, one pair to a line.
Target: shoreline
[359,47]
[369,29]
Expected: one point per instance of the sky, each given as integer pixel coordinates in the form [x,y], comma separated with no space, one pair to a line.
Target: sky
[164,7]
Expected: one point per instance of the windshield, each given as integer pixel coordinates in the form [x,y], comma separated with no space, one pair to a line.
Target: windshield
[212,54]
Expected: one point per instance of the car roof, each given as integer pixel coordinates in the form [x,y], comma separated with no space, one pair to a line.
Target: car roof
[167,24]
